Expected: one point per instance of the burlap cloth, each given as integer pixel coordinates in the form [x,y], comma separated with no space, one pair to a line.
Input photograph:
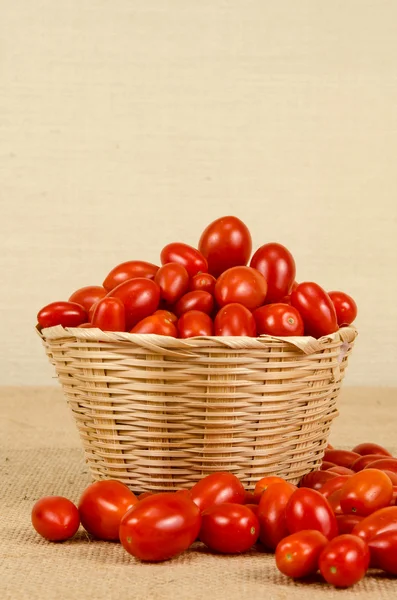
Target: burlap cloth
[41,455]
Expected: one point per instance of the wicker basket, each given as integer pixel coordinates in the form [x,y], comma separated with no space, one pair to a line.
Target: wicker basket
[159,413]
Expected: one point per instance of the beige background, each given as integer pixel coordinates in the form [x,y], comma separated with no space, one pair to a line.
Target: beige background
[125,125]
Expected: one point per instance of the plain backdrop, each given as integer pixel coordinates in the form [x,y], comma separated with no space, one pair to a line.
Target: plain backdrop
[128,124]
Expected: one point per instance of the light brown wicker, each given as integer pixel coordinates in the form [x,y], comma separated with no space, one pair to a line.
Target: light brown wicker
[159,413]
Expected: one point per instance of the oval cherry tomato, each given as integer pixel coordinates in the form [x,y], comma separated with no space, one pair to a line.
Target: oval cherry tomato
[167,314]
[243,285]
[392,476]
[235,319]
[334,502]
[195,323]
[279,320]
[109,315]
[156,324]
[383,550]
[204,282]
[342,458]
[102,506]
[346,523]
[384,463]
[271,513]
[129,270]
[173,280]
[365,460]
[262,485]
[370,448]
[185,255]
[344,560]
[338,470]
[334,484]
[229,528]
[55,518]
[160,526]
[140,297]
[87,296]
[277,265]
[316,479]
[316,309]
[384,519]
[217,488]
[225,243]
[308,509]
[67,314]
[297,555]
[199,300]
[325,465]
[345,307]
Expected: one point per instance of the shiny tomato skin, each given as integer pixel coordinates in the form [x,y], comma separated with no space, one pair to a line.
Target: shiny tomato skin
[346,523]
[392,476]
[234,320]
[67,314]
[338,470]
[334,502]
[383,550]
[365,492]
[316,479]
[384,519]
[204,282]
[334,484]
[187,256]
[129,270]
[229,528]
[365,460]
[341,458]
[102,506]
[217,488]
[195,323]
[55,518]
[173,280]
[325,465]
[263,484]
[225,243]
[297,554]
[316,309]
[390,464]
[160,526]
[109,315]
[279,320]
[308,509]
[277,265]
[271,513]
[344,560]
[243,285]
[199,300]
[156,324]
[370,448]
[345,307]
[140,296]
[167,314]
[87,296]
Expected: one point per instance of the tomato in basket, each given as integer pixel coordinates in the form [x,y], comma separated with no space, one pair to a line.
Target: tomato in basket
[67,314]
[225,243]
[243,285]
[316,309]
[277,265]
[279,320]
[187,256]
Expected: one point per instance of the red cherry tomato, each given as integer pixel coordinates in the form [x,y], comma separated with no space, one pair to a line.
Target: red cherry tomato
[249,497]
[102,506]
[253,507]
[87,296]
[384,463]
[338,470]
[67,314]
[297,554]
[345,307]
[277,265]
[344,560]
[334,502]
[365,460]
[144,495]
[316,479]
[235,319]
[225,243]
[55,518]
[325,465]
[262,485]
[392,476]
[334,484]
[129,270]
[229,528]
[173,280]
[271,513]
[217,488]
[156,324]
[140,297]
[384,519]
[308,509]
[109,315]
[195,323]
[383,550]
[243,285]
[199,300]
[341,458]
[167,314]
[279,320]
[346,523]
[160,526]
[187,256]
[316,309]
[365,492]
[204,282]
[370,448]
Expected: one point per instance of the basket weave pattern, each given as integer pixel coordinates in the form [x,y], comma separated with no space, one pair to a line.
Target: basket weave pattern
[159,413]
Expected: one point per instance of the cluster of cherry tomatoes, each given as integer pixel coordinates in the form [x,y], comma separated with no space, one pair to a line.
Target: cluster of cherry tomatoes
[207,291]
[341,520]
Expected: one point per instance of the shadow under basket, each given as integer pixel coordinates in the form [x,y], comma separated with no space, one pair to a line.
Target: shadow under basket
[159,413]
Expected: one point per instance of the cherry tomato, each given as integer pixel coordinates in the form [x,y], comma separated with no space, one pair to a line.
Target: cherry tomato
[279,320]
[167,314]
[55,518]
[160,526]
[235,319]
[334,502]
[384,519]
[342,458]
[217,488]
[262,485]
[346,523]
[334,484]
[384,463]
[203,282]
[187,256]
[249,497]
[344,560]
[199,300]
[392,476]
[144,495]
[370,448]
[101,507]
[365,460]
[366,492]
[345,307]
[316,479]
[156,324]
[195,323]
[67,314]
[338,470]
[229,528]
[225,243]
[297,554]
[109,315]
[383,550]
[271,513]
[316,309]
[129,270]
[173,280]
[253,507]
[325,465]
[140,297]
[87,296]
[277,265]
[308,509]
[243,285]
